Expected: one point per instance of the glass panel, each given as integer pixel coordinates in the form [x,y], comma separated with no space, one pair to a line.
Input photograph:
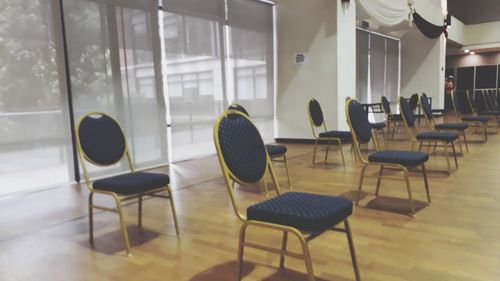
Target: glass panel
[35,147]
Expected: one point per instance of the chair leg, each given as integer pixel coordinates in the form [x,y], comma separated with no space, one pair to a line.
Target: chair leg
[420,146]
[287,173]
[385,139]
[361,177]
[465,141]
[460,145]
[327,149]
[174,213]
[445,145]
[407,179]
[454,154]
[341,152]
[283,248]
[241,247]
[379,179]
[315,148]
[91,219]
[139,222]
[424,173]
[307,257]
[351,249]
[122,224]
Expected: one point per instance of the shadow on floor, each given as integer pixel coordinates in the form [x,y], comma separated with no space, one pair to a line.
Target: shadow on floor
[224,272]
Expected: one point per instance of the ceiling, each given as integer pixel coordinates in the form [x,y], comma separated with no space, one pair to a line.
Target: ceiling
[475,11]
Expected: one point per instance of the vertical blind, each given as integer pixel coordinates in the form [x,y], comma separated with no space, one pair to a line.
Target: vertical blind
[377,67]
[113,70]
[108,57]
[215,57]
[35,147]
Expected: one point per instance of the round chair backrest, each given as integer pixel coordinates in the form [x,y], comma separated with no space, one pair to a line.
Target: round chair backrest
[238,107]
[315,112]
[406,111]
[480,101]
[101,139]
[424,101]
[359,121]
[386,105]
[414,101]
[241,147]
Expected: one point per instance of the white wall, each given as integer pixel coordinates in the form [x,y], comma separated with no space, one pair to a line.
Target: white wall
[422,66]
[310,27]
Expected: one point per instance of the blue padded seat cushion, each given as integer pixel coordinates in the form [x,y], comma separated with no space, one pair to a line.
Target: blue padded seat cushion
[452,126]
[273,149]
[395,117]
[496,113]
[378,125]
[304,211]
[404,158]
[343,135]
[437,136]
[483,119]
[132,183]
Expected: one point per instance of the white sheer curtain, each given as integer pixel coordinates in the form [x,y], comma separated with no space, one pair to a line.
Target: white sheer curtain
[35,147]
[251,61]
[387,12]
[114,69]
[193,31]
[377,67]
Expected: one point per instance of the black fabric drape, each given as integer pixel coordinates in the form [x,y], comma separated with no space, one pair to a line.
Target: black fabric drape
[428,29]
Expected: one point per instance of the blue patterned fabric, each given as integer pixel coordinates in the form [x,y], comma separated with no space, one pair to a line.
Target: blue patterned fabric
[242,148]
[359,121]
[482,119]
[386,106]
[437,136]
[101,139]
[495,113]
[343,135]
[132,183]
[274,150]
[396,117]
[451,126]
[426,106]
[404,158]
[304,211]
[316,112]
[378,125]
[239,108]
[480,102]
[413,101]
[404,106]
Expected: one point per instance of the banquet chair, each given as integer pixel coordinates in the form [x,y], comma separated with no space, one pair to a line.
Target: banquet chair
[392,119]
[275,151]
[317,120]
[445,139]
[474,121]
[383,159]
[101,142]
[305,216]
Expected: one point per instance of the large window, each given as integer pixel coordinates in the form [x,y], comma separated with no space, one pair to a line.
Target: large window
[35,147]
[377,67]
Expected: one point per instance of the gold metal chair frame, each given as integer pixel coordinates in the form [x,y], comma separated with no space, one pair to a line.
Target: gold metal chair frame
[303,237]
[382,166]
[117,198]
[412,132]
[474,124]
[327,139]
[432,126]
[389,120]
[276,158]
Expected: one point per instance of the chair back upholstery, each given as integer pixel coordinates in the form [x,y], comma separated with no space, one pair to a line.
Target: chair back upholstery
[490,97]
[426,106]
[414,102]
[406,112]
[315,113]
[358,121]
[238,107]
[386,106]
[100,139]
[480,101]
[241,148]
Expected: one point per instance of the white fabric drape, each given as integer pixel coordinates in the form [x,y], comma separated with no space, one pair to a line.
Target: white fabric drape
[387,12]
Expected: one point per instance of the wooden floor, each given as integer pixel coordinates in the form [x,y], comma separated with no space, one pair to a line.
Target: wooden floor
[44,235]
